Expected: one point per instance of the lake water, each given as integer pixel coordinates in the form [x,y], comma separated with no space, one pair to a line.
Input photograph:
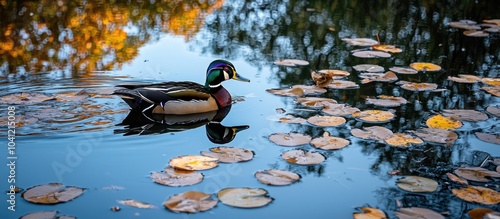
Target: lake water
[56,48]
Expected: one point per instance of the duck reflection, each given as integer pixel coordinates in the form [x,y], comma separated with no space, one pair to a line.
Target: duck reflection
[143,123]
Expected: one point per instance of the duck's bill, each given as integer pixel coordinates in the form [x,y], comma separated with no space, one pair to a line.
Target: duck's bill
[239,78]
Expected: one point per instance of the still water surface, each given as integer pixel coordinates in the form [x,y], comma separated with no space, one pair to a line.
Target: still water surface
[96,46]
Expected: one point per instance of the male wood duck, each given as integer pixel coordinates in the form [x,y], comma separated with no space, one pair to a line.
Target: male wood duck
[183,97]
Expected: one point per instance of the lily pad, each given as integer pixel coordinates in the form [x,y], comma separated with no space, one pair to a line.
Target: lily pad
[495,110]
[416,212]
[303,157]
[443,122]
[244,197]
[405,71]
[377,133]
[479,213]
[290,139]
[478,194]
[136,204]
[368,68]
[360,41]
[491,81]
[339,110]
[336,74]
[379,77]
[369,213]
[25,98]
[374,116]
[465,115]
[425,66]
[321,79]
[417,184]
[229,154]
[193,162]
[52,193]
[315,102]
[190,202]
[387,48]
[175,177]
[289,92]
[371,54]
[325,121]
[477,174]
[387,101]
[403,140]
[492,90]
[476,33]
[71,96]
[327,142]
[290,119]
[45,215]
[418,86]
[456,179]
[341,84]
[468,79]
[464,25]
[291,62]
[439,136]
[277,177]
[487,137]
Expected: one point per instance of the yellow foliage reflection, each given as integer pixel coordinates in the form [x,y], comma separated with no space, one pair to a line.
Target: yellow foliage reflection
[88,36]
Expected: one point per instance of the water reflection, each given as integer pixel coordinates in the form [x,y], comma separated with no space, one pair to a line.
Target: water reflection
[142,123]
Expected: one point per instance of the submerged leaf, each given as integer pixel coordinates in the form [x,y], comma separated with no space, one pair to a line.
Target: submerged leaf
[193,162]
[442,122]
[244,197]
[51,193]
[417,184]
[190,202]
[173,177]
[229,154]
[415,212]
[478,194]
[303,157]
[277,177]
[134,203]
[289,139]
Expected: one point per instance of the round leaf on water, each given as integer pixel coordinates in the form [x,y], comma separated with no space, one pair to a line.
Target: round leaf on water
[360,41]
[277,177]
[468,79]
[336,74]
[310,89]
[491,81]
[303,157]
[290,119]
[442,122]
[373,116]
[487,137]
[495,110]
[379,77]
[229,154]
[464,25]
[25,98]
[289,92]
[465,115]
[244,197]
[51,193]
[387,48]
[176,177]
[341,84]
[479,213]
[456,179]
[190,202]
[193,162]
[368,68]
[339,110]
[315,102]
[377,133]
[439,136]
[492,90]
[371,54]
[418,86]
[475,33]
[417,184]
[369,213]
[289,139]
[405,71]
[291,62]
[327,142]
[415,212]
[387,101]
[136,204]
[425,66]
[478,194]
[324,121]
[477,174]
[493,21]
[403,140]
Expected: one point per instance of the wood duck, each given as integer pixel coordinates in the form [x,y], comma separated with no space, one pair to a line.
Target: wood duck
[183,97]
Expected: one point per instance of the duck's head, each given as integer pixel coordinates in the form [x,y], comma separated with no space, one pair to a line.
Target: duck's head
[219,71]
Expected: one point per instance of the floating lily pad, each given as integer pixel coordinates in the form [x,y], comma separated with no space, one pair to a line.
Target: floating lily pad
[321,79]
[341,84]
[368,68]
[492,90]
[487,137]
[229,154]
[136,204]
[478,194]
[303,157]
[369,213]
[371,54]
[456,179]
[25,98]
[324,121]
[439,136]
[477,174]
[339,110]
[45,215]
[289,139]
[379,77]
[291,62]
[51,193]
[417,184]
[193,162]
[405,71]
[415,212]
[465,115]
[491,81]
[442,122]
[327,142]
[289,92]
[468,79]
[403,140]
[290,119]
[495,110]
[425,66]
[176,177]
[374,116]
[190,202]
[315,102]
[244,197]
[360,41]
[336,74]
[387,48]
[418,86]
[277,177]
[387,101]
[377,133]
[492,21]
[476,33]
[481,213]
[464,25]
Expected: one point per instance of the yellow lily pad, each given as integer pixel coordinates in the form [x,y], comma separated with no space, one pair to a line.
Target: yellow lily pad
[244,197]
[136,204]
[193,162]
[277,177]
[492,90]
[226,154]
[176,177]
[425,66]
[371,54]
[387,48]
[439,136]
[369,213]
[403,140]
[289,139]
[417,184]
[360,41]
[303,157]
[405,71]
[387,101]
[325,121]
[487,137]
[339,110]
[51,193]
[477,174]
[374,116]
[416,212]
[478,194]
[327,142]
[377,133]
[190,202]
[491,81]
[465,115]
[442,122]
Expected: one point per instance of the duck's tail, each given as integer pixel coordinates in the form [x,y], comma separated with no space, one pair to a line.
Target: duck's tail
[134,99]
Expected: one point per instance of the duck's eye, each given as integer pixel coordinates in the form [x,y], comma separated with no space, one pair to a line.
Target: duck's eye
[228,70]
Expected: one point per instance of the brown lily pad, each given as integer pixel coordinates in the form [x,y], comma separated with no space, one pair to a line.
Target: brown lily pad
[175,177]
[136,204]
[439,136]
[491,81]
[456,179]
[51,193]
[374,116]
[325,121]
[477,174]
[290,119]
[403,140]
[369,213]
[416,212]
[402,70]
[327,142]
[377,133]
[425,66]
[478,194]
[244,197]
[45,215]
[387,101]
[494,110]
[341,84]
[339,110]
[193,162]
[290,139]
[492,90]
[487,137]
[303,157]
[315,102]
[378,77]
[387,48]
[417,184]
[465,115]
[476,33]
[190,202]
[467,79]
[229,154]
[479,213]
[277,177]
[368,68]
[291,62]
[25,98]
[360,41]
[417,86]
